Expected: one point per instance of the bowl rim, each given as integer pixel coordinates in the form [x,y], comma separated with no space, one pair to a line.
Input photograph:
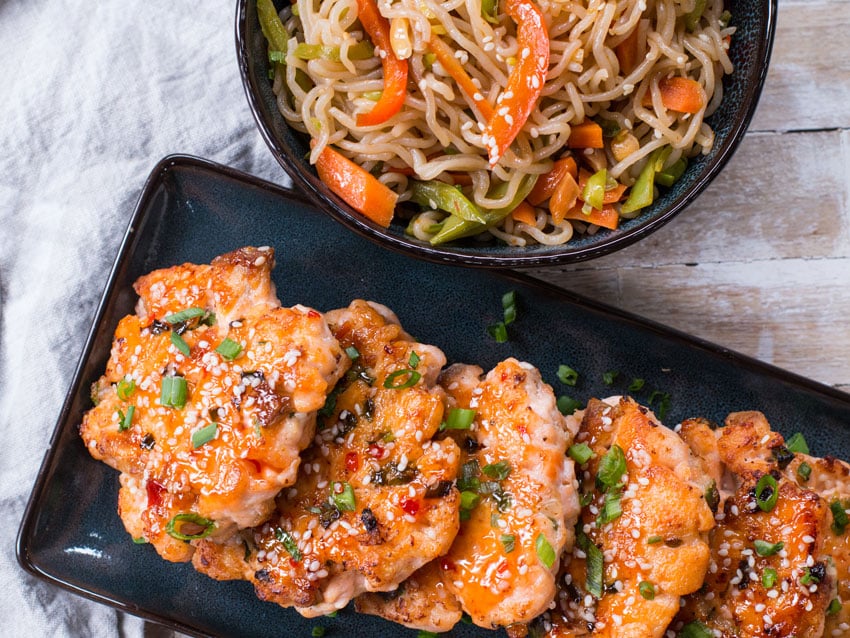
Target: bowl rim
[331,203]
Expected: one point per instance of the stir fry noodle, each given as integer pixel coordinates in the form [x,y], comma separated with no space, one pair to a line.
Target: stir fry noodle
[457,112]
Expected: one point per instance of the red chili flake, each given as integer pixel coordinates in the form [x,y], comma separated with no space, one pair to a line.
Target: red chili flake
[410,506]
[293,563]
[352,461]
[377,451]
[313,314]
[155,491]
[503,567]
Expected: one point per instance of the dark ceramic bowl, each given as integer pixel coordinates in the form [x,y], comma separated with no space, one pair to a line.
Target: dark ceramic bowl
[750,53]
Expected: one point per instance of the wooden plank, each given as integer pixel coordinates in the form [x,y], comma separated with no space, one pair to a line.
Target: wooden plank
[791,312]
[807,83]
[780,196]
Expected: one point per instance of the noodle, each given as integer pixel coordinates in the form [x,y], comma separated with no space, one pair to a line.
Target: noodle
[437,133]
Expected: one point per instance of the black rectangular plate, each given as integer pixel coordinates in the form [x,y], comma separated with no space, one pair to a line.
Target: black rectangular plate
[192,210]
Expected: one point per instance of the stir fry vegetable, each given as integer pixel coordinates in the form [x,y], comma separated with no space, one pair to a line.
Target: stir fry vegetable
[357,187]
[395,70]
[525,83]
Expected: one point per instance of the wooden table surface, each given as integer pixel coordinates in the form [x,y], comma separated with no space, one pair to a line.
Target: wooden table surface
[760,263]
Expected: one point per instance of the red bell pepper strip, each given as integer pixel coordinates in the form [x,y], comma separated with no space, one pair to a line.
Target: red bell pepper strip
[395,70]
[525,83]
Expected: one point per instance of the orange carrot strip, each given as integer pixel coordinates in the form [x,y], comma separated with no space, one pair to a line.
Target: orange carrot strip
[611,196]
[524,213]
[564,198]
[683,95]
[356,186]
[608,217]
[395,70]
[446,58]
[548,182]
[627,52]
[525,83]
[587,134]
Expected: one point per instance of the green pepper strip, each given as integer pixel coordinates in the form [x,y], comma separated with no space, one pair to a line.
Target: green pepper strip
[594,190]
[490,10]
[446,197]
[273,29]
[693,18]
[363,50]
[456,228]
[642,193]
[672,173]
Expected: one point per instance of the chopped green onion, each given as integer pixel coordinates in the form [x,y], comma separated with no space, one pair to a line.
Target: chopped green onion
[185,315]
[352,352]
[834,607]
[580,453]
[141,540]
[468,479]
[434,194]
[636,385]
[459,419]
[229,349]
[586,499]
[763,548]
[809,577]
[204,435]
[317,632]
[498,471]
[414,360]
[412,377]
[567,375]
[568,405]
[594,562]
[125,388]
[173,392]
[469,500]
[768,577]
[804,471]
[611,509]
[289,543]
[544,551]
[725,18]
[180,343]
[176,526]
[695,629]
[125,420]
[767,493]
[797,444]
[611,467]
[646,589]
[839,517]
[652,540]
[509,307]
[428,60]
[499,332]
[344,498]
[712,496]
[593,194]
[426,634]
[509,542]
[663,402]
[609,377]
[334,613]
